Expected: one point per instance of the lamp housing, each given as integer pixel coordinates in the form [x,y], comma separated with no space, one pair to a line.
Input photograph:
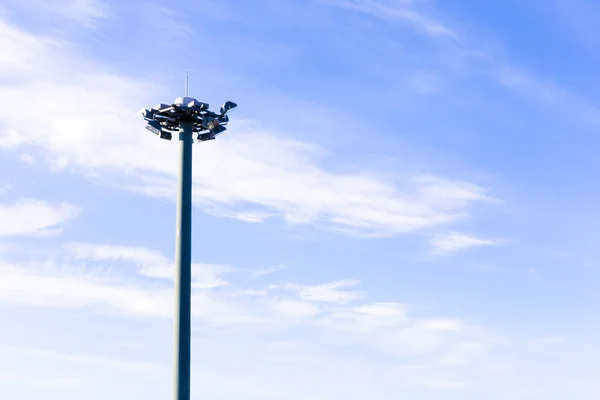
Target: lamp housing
[228,106]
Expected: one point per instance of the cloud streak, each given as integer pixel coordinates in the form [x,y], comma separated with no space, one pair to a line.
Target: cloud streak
[149,263]
[393,10]
[31,217]
[266,173]
[269,271]
[105,286]
[85,12]
[333,292]
[455,242]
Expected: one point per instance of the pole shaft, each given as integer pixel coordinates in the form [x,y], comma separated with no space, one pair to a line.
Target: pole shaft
[183,267]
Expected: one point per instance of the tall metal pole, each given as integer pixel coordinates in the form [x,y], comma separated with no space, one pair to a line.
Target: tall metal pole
[185,115]
[183,266]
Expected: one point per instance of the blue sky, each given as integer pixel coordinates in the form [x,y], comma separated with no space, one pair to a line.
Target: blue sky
[404,204]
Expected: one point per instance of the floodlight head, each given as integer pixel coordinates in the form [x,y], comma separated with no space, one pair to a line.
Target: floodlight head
[166,135]
[203,137]
[228,106]
[184,101]
[209,123]
[160,107]
[154,127]
[147,114]
[166,119]
[218,130]
[198,105]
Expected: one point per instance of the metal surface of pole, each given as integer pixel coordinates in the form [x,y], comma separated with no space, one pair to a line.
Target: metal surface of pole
[183,266]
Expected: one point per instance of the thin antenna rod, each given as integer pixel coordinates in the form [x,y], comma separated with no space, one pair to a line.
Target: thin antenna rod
[186,83]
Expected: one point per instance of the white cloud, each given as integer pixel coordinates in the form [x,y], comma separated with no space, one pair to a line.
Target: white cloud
[251,292]
[10,138]
[550,340]
[390,310]
[60,285]
[35,217]
[5,248]
[462,353]
[95,252]
[326,293]
[442,324]
[266,173]
[454,242]
[390,327]
[250,216]
[96,279]
[150,263]
[85,360]
[397,10]
[27,158]
[294,309]
[50,288]
[269,271]
[103,283]
[369,318]
[86,12]
[547,93]
[423,376]
[473,50]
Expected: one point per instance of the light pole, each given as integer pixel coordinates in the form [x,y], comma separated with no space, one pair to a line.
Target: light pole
[185,116]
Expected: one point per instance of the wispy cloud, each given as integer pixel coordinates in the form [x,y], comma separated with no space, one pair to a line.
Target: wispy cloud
[454,242]
[462,353]
[398,10]
[550,340]
[548,93]
[472,49]
[27,158]
[30,217]
[269,271]
[391,327]
[294,309]
[150,263]
[85,12]
[107,288]
[10,138]
[333,292]
[48,287]
[104,290]
[95,252]
[266,174]
[85,360]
